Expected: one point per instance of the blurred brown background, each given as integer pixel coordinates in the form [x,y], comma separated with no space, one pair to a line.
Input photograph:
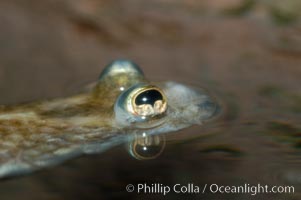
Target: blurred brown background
[50,45]
[246,52]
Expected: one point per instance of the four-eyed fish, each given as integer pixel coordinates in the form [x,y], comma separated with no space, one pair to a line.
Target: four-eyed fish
[121,107]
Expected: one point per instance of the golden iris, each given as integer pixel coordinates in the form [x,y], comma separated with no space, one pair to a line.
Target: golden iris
[147,101]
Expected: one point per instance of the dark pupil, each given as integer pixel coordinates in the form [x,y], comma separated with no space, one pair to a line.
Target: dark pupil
[148,97]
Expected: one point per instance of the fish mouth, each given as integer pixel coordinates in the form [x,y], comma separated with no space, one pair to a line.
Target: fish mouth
[211,108]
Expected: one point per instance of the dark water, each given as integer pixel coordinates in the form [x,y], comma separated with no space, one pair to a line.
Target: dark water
[248,57]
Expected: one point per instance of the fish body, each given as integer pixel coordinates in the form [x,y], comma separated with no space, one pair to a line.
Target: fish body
[120,106]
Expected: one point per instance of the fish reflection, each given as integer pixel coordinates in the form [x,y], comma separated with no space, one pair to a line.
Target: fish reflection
[145,146]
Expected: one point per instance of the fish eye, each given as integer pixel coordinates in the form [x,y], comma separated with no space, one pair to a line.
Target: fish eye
[147,102]
[121,66]
[141,105]
[121,74]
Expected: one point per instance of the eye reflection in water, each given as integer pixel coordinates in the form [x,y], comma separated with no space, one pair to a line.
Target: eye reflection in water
[145,146]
